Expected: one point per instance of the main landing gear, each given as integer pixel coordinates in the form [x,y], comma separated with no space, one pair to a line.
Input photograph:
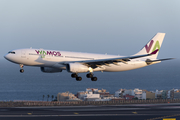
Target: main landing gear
[90,75]
[78,78]
[21,66]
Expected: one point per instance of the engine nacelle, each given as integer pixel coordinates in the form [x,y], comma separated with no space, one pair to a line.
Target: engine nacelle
[76,68]
[50,70]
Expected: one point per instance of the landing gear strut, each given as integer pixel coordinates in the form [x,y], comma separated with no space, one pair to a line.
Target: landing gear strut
[78,78]
[90,75]
[21,66]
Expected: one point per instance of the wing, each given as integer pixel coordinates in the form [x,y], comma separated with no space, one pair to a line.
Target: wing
[100,62]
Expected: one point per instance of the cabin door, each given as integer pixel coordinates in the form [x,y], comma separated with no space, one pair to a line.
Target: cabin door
[23,54]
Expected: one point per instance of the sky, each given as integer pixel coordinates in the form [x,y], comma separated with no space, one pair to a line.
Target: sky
[118,27]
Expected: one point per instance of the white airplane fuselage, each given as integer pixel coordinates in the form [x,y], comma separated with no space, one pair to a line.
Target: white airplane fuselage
[56,59]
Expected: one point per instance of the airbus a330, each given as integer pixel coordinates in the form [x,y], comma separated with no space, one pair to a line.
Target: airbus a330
[51,61]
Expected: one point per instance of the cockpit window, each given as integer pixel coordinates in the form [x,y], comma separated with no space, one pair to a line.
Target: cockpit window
[11,52]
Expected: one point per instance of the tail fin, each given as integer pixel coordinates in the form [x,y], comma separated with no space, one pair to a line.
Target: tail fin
[152,45]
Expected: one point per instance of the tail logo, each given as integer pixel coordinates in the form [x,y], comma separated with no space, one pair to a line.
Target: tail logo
[149,47]
[156,46]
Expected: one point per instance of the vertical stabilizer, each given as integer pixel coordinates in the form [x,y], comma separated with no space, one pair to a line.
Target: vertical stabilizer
[154,44]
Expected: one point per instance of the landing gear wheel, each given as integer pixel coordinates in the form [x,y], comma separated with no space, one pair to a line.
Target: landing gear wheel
[94,78]
[90,75]
[21,70]
[74,75]
[79,78]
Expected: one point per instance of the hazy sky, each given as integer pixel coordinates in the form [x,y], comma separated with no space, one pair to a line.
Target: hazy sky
[98,26]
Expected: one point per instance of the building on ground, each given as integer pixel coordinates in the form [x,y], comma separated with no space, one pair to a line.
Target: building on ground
[119,93]
[158,94]
[128,97]
[66,96]
[148,95]
[91,97]
[94,94]
[176,94]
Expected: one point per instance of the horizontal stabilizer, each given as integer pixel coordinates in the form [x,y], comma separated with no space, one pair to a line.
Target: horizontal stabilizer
[148,61]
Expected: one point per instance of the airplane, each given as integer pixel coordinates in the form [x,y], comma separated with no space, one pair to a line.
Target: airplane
[51,61]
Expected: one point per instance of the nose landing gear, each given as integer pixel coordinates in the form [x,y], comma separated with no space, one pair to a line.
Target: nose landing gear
[21,66]
[21,70]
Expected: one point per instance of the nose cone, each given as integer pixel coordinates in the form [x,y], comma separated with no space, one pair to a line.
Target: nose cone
[5,56]
[11,56]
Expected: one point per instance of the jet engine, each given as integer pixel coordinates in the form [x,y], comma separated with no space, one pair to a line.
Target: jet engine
[50,70]
[76,68]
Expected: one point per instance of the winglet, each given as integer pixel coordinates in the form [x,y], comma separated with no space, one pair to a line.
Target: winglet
[154,52]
